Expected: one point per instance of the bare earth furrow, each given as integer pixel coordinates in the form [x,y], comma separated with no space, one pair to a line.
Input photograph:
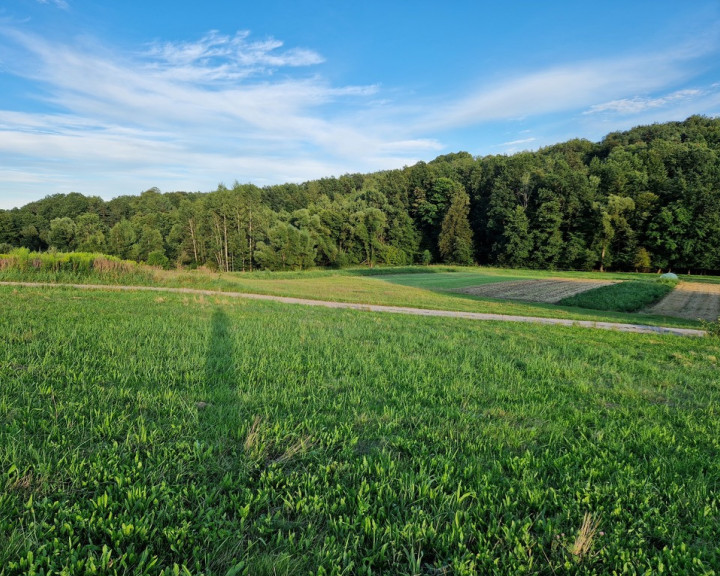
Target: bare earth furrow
[546,291]
[690,300]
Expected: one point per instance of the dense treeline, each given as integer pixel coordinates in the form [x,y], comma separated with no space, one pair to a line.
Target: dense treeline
[641,199]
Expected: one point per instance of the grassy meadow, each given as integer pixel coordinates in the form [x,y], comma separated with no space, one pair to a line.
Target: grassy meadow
[170,434]
[430,287]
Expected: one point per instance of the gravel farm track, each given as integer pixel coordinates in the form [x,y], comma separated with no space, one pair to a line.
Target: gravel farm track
[620,327]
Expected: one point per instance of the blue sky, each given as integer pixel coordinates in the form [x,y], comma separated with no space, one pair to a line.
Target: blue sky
[111,98]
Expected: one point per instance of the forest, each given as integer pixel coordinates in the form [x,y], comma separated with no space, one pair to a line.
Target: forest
[643,199]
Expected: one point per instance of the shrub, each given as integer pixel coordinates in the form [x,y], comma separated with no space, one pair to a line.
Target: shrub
[642,260]
[712,328]
[158,258]
[393,256]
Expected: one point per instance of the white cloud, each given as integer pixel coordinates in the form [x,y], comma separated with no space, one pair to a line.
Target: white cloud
[641,104]
[20,177]
[101,93]
[219,57]
[62,4]
[519,145]
[518,142]
[187,116]
[600,123]
[572,87]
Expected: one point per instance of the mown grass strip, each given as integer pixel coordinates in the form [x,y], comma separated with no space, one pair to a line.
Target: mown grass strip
[344,286]
[621,327]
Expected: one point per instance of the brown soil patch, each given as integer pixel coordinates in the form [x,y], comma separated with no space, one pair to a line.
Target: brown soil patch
[546,291]
[691,300]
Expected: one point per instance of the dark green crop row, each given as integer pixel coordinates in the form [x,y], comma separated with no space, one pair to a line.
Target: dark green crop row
[142,434]
[621,297]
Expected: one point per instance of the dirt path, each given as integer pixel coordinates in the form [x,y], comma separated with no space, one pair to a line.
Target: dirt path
[546,291]
[639,328]
[691,300]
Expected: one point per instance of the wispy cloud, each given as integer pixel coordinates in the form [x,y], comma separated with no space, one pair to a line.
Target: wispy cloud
[514,143]
[205,95]
[639,104]
[518,145]
[624,113]
[62,4]
[221,57]
[189,115]
[569,88]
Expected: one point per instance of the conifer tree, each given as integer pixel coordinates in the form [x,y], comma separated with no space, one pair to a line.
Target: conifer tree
[455,241]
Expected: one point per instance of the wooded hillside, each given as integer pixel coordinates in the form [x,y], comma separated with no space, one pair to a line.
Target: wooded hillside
[647,198]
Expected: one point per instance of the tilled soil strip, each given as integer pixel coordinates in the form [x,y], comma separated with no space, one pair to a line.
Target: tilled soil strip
[547,291]
[690,300]
[638,328]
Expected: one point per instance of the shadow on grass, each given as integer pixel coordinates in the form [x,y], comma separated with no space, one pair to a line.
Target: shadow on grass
[218,411]
[220,357]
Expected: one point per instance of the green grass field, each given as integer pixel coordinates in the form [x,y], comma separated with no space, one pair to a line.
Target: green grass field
[422,287]
[167,434]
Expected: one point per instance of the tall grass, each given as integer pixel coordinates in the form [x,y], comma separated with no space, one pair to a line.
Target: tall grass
[22,264]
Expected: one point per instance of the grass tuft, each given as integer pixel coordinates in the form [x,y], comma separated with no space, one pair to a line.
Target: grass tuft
[299,447]
[586,536]
[253,435]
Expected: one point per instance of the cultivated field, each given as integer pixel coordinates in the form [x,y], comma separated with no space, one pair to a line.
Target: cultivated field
[162,434]
[691,300]
[547,291]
